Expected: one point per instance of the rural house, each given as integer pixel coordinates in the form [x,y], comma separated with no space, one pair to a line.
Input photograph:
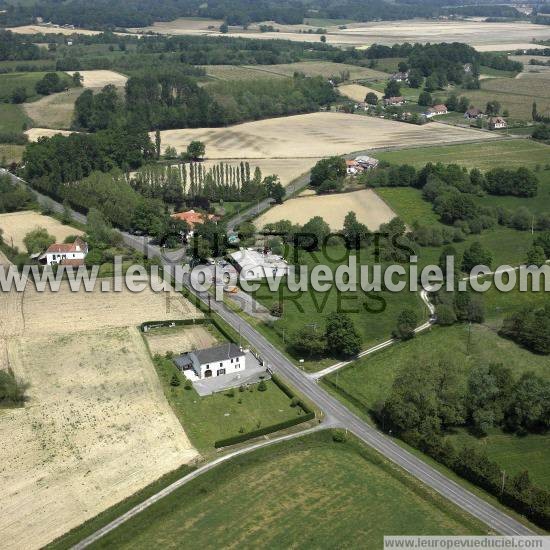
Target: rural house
[436,110]
[496,123]
[473,113]
[353,167]
[211,362]
[397,100]
[366,162]
[65,254]
[193,218]
[399,76]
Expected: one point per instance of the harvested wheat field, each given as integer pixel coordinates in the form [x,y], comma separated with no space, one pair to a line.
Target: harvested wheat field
[101,78]
[17,224]
[97,427]
[36,133]
[356,92]
[50,29]
[314,135]
[83,310]
[53,111]
[96,430]
[183,25]
[367,205]
[179,339]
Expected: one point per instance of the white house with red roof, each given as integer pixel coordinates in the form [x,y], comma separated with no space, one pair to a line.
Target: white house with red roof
[66,253]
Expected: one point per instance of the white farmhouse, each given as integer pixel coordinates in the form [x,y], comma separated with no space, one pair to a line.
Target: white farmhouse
[207,363]
[66,254]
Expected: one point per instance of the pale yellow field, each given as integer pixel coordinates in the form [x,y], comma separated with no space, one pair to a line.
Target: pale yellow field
[97,427]
[17,224]
[180,340]
[482,35]
[356,92]
[367,205]
[53,111]
[314,135]
[100,78]
[36,133]
[50,29]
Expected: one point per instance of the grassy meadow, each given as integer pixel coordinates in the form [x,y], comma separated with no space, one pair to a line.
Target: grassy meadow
[12,118]
[10,81]
[208,419]
[11,153]
[374,314]
[309,492]
[508,153]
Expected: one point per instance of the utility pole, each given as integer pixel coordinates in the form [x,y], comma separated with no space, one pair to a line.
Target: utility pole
[503,480]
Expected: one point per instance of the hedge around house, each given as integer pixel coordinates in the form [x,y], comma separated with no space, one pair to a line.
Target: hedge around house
[263,431]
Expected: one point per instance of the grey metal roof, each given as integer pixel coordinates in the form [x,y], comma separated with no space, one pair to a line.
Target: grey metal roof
[183,361]
[219,353]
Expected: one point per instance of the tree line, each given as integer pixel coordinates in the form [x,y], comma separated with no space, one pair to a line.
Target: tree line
[425,404]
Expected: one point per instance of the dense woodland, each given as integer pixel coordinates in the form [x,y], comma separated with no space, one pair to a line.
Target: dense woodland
[172,100]
[140,13]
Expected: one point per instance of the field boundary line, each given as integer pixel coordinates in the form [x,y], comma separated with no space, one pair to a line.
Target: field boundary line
[186,479]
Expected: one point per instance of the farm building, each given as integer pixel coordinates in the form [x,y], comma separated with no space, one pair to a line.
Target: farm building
[253,264]
[496,123]
[211,362]
[397,100]
[473,113]
[353,167]
[400,76]
[436,110]
[366,162]
[192,217]
[65,254]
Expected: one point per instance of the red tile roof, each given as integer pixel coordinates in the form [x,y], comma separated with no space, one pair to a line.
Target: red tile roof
[78,246]
[192,217]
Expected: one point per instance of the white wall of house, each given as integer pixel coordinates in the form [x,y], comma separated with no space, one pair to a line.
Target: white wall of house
[219,368]
[56,257]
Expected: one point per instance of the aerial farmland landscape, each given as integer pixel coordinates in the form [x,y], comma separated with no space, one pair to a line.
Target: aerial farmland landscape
[274,274]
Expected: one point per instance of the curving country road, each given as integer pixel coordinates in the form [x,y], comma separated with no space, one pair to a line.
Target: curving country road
[337,414]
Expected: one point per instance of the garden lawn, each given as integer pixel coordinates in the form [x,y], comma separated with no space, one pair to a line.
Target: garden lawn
[12,118]
[218,416]
[510,153]
[513,453]
[308,492]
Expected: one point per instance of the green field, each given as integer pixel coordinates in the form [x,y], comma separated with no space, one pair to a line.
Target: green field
[218,416]
[11,153]
[514,94]
[236,72]
[507,245]
[10,81]
[514,454]
[12,118]
[374,314]
[321,68]
[486,155]
[308,492]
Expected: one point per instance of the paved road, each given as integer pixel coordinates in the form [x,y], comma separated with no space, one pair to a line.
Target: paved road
[339,415]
